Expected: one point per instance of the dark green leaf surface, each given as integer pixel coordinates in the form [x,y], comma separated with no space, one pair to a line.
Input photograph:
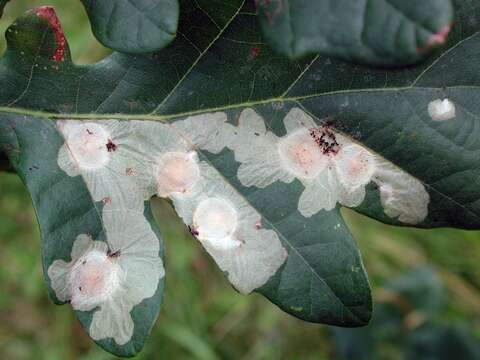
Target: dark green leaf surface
[220,63]
[381,32]
[2,6]
[65,209]
[133,26]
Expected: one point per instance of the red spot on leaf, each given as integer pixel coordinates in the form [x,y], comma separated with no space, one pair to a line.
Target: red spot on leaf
[438,38]
[270,11]
[48,13]
[254,51]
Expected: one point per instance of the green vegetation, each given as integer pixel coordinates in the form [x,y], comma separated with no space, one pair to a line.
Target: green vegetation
[202,318]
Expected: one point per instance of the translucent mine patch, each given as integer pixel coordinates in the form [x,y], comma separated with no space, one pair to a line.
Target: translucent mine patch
[86,144]
[209,131]
[256,149]
[332,168]
[300,154]
[403,197]
[94,278]
[111,277]
[215,220]
[176,172]
[125,163]
[227,226]
[355,166]
[124,172]
[441,110]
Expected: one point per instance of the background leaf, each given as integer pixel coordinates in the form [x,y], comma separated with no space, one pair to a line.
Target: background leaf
[2,5]
[410,313]
[133,26]
[380,32]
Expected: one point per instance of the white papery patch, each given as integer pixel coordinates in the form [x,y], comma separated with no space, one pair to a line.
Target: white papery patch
[402,196]
[176,172]
[441,110]
[215,221]
[333,169]
[140,159]
[300,156]
[87,146]
[209,132]
[225,224]
[113,276]
[228,228]
[125,163]
[169,152]
[118,274]
[106,155]
[355,165]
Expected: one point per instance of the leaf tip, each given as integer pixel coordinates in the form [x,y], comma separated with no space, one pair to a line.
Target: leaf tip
[437,39]
[48,14]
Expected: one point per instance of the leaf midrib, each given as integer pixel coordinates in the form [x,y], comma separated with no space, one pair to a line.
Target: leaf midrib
[296,99]
[166,118]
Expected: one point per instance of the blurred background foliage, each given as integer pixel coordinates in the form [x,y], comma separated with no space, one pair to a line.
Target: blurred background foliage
[426,283]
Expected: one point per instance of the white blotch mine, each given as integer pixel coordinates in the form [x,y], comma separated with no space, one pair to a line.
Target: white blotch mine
[176,172]
[111,277]
[333,169]
[94,278]
[355,165]
[102,153]
[255,150]
[86,145]
[215,220]
[125,163]
[402,196]
[299,153]
[227,226]
[441,110]
[209,132]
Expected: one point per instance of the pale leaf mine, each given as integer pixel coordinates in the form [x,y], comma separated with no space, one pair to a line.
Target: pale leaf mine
[124,163]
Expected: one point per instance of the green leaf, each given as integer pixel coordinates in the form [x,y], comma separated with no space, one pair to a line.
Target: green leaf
[220,69]
[2,6]
[409,314]
[442,342]
[422,289]
[133,26]
[380,32]
[65,209]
